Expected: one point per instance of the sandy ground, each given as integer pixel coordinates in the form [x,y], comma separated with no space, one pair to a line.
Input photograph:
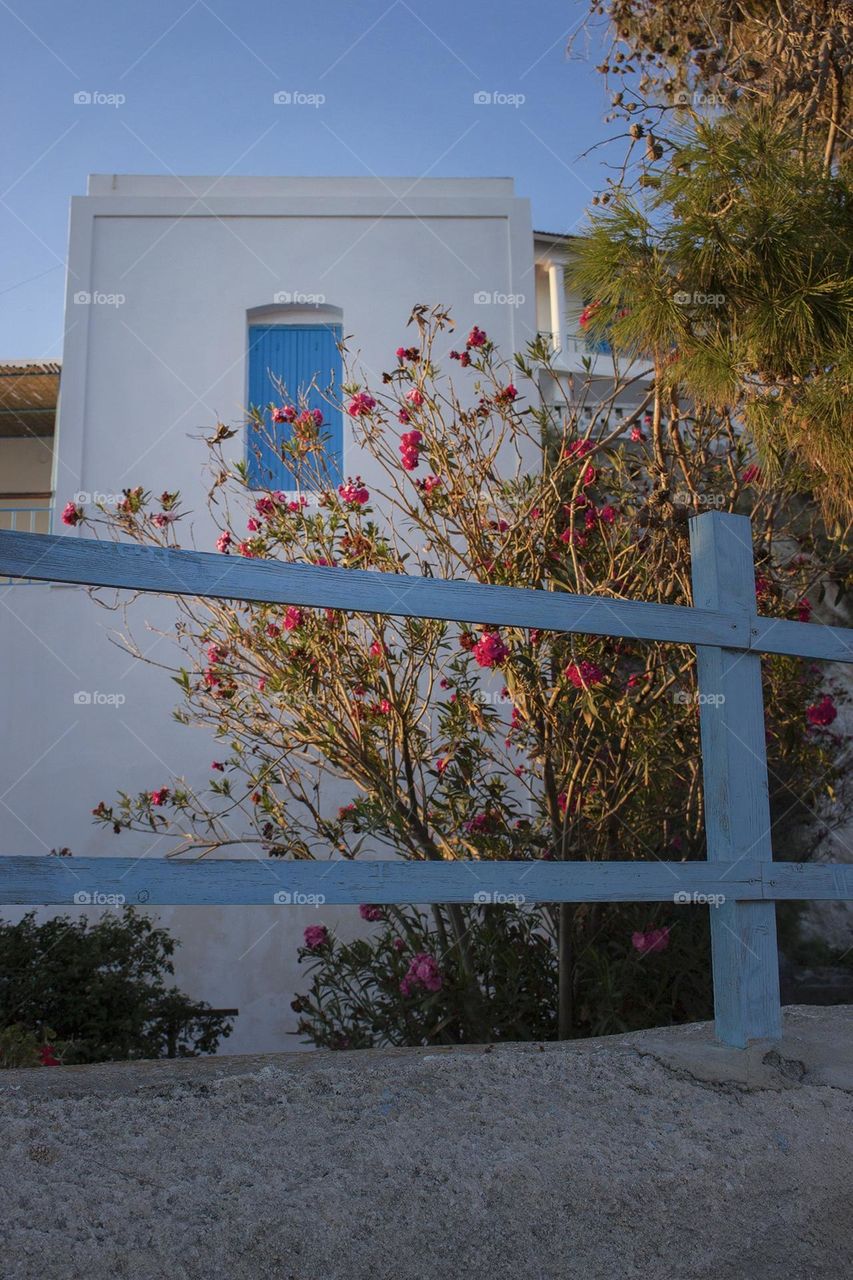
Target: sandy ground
[655,1155]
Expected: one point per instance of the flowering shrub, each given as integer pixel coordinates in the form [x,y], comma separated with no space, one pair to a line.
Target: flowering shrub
[482,742]
[387,989]
[73,992]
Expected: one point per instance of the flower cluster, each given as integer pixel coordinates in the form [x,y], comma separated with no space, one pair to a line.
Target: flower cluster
[423,972]
[490,650]
[72,514]
[822,713]
[583,674]
[361,405]
[353,493]
[411,443]
[650,942]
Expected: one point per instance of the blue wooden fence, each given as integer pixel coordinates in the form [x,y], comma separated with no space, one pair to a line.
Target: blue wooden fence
[739,876]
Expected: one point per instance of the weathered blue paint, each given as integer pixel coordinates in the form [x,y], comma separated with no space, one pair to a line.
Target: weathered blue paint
[734,767]
[295,355]
[255,881]
[739,877]
[52,558]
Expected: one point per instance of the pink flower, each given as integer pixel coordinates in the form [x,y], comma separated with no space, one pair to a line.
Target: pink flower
[293,618]
[654,940]
[506,394]
[354,492]
[637,434]
[398,944]
[218,765]
[441,764]
[404,416]
[410,445]
[316,936]
[822,713]
[583,674]
[476,338]
[360,405]
[415,397]
[252,525]
[377,649]
[431,482]
[578,449]
[423,972]
[285,414]
[482,824]
[72,514]
[588,314]
[47,1056]
[160,796]
[490,650]
[607,514]
[804,610]
[752,475]
[371,913]
[223,542]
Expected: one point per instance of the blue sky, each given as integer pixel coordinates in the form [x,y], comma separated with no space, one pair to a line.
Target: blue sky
[398,79]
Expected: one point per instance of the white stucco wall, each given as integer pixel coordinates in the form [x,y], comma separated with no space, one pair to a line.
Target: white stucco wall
[156,355]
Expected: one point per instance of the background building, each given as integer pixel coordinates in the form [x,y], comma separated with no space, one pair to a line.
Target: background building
[183,296]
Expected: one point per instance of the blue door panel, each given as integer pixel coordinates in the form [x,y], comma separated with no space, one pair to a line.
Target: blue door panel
[295,354]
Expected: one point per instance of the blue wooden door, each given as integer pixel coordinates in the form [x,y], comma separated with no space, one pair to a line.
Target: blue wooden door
[294,354]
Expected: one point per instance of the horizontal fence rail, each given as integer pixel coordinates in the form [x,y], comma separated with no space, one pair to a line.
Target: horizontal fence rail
[86,562]
[740,882]
[156,882]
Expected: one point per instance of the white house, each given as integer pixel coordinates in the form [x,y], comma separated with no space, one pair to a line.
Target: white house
[181,294]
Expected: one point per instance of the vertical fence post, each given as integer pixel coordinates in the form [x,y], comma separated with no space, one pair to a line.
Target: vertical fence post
[734,768]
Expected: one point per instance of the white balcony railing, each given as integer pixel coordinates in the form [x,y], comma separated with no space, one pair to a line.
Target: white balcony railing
[575,345]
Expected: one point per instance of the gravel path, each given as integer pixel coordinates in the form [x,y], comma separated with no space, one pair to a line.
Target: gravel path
[651,1156]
